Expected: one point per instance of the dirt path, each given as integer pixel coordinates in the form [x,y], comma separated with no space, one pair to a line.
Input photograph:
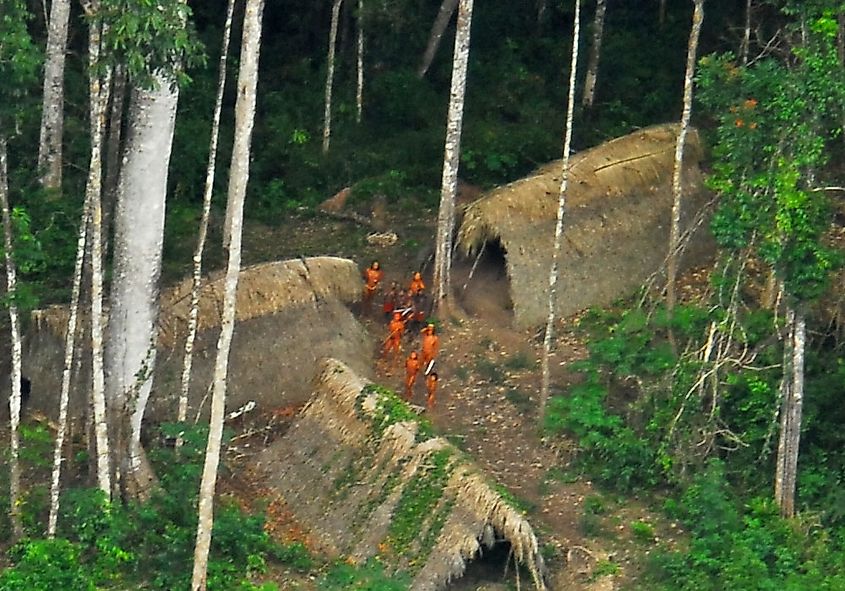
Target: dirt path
[487,406]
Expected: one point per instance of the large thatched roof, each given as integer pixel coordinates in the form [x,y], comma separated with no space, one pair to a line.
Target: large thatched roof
[357,469]
[615,230]
[289,315]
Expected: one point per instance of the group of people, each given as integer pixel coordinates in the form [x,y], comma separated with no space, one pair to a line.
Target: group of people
[406,310]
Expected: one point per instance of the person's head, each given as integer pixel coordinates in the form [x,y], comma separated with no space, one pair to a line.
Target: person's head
[375,266]
[417,276]
[397,316]
[429,328]
[413,355]
[433,376]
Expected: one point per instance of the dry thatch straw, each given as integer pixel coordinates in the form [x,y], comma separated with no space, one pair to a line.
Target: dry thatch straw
[616,225]
[353,459]
[290,314]
[263,289]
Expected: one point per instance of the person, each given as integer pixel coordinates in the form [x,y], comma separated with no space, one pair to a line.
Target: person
[373,276]
[390,300]
[430,347]
[412,368]
[431,389]
[393,342]
[417,286]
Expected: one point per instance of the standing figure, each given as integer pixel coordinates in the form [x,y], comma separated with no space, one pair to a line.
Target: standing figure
[417,286]
[393,342]
[391,300]
[430,347]
[373,276]
[412,368]
[431,389]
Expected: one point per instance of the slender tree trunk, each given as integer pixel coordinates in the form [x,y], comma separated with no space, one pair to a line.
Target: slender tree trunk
[203,230]
[451,160]
[561,210]
[359,95]
[746,35]
[244,118]
[327,115]
[595,53]
[444,15]
[113,147]
[52,114]
[542,7]
[786,472]
[677,173]
[661,13]
[67,372]
[14,328]
[138,239]
[99,91]
[840,38]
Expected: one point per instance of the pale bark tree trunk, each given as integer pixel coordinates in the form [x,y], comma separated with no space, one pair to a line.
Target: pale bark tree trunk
[64,394]
[14,328]
[193,315]
[451,160]
[99,91]
[677,173]
[359,95]
[52,114]
[327,114]
[239,176]
[113,146]
[786,471]
[746,35]
[595,54]
[138,239]
[542,7]
[561,210]
[444,15]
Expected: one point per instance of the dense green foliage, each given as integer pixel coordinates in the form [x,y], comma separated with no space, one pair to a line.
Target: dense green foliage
[150,544]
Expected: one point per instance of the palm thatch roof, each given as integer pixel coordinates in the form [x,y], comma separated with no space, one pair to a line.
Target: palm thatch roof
[368,479]
[289,314]
[616,226]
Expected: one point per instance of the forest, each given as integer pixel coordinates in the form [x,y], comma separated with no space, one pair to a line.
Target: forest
[158,159]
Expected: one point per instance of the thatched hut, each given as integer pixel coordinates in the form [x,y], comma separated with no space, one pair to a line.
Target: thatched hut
[289,315]
[616,229]
[367,478]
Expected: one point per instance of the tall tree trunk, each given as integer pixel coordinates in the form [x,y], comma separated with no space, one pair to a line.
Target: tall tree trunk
[444,15]
[99,92]
[14,328]
[661,13]
[52,114]
[138,239]
[561,210]
[746,35]
[67,371]
[451,160]
[786,471]
[677,173]
[193,315]
[359,94]
[244,118]
[327,114]
[595,53]
[113,147]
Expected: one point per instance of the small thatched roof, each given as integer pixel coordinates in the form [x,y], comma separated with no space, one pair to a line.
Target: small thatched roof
[356,469]
[289,314]
[616,226]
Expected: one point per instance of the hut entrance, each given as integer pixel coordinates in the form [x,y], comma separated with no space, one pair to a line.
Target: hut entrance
[487,292]
[490,570]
